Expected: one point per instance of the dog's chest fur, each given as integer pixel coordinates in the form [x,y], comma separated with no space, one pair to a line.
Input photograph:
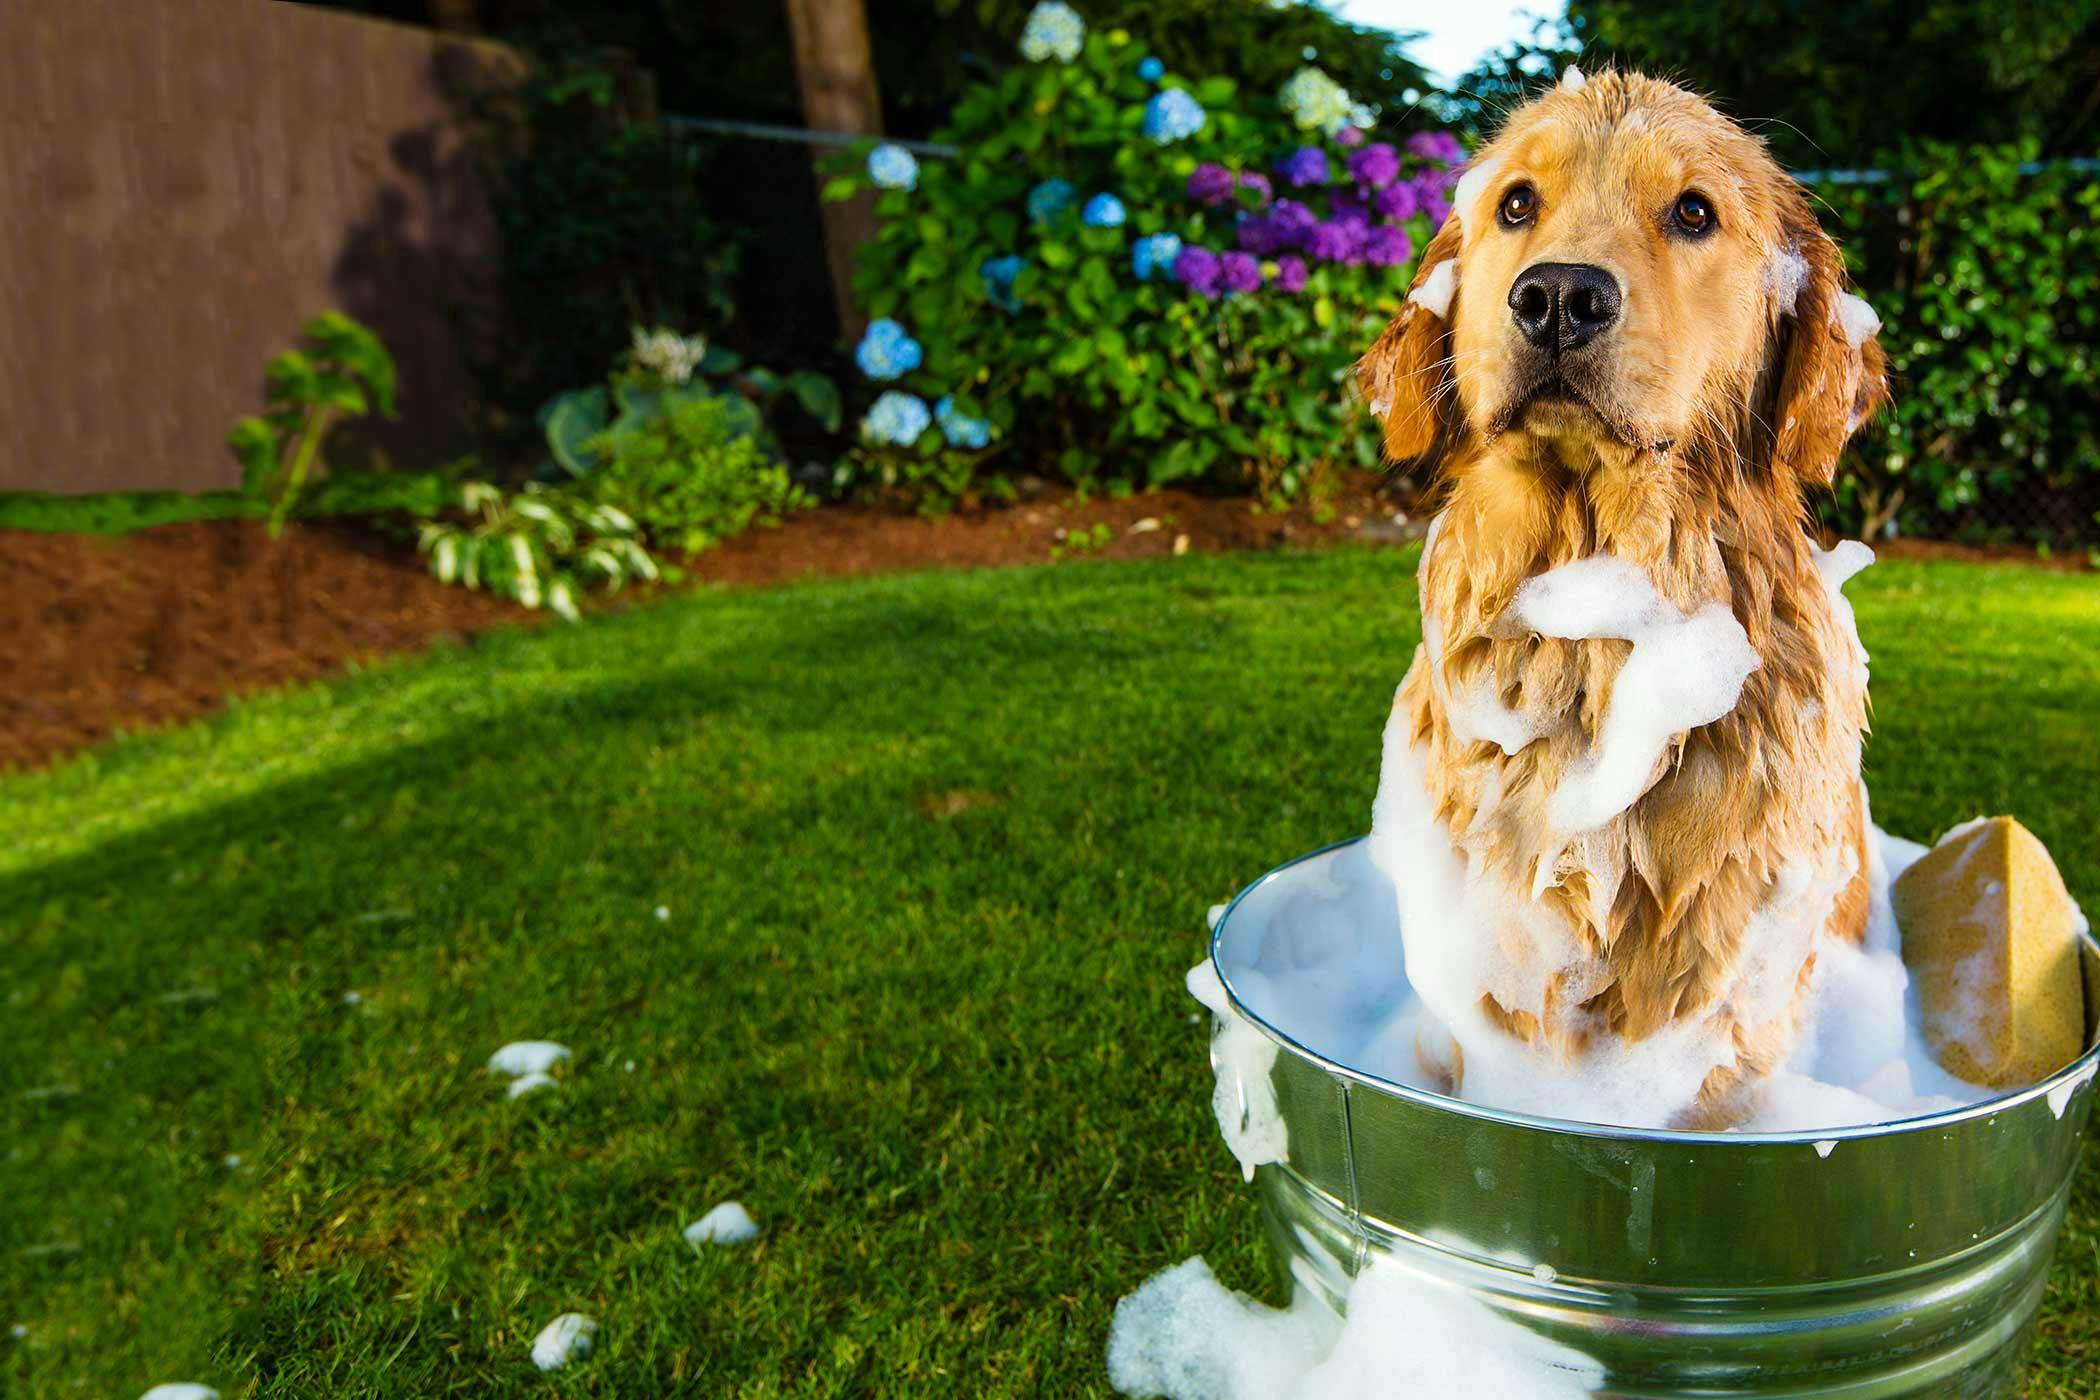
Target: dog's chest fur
[1659,896]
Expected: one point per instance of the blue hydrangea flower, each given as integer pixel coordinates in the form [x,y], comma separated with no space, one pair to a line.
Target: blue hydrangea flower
[892,167]
[1155,253]
[896,419]
[1054,30]
[1049,199]
[1152,70]
[1102,211]
[999,275]
[1172,115]
[886,351]
[960,429]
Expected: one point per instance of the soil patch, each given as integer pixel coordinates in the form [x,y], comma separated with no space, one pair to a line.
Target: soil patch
[107,633]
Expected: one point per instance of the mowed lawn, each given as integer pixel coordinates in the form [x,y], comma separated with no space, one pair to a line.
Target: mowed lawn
[933,854]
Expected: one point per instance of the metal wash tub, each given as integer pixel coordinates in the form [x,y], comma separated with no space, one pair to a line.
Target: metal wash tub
[1899,1260]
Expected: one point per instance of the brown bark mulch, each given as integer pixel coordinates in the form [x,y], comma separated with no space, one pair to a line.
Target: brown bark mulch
[101,634]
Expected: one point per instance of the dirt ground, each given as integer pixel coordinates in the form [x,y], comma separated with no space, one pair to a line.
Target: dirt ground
[107,633]
[102,634]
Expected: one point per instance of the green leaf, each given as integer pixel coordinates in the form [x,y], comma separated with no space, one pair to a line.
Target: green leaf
[818,396]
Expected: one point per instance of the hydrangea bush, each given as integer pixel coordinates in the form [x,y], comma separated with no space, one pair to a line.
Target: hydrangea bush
[1131,277]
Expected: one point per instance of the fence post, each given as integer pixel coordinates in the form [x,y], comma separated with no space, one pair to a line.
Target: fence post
[836,70]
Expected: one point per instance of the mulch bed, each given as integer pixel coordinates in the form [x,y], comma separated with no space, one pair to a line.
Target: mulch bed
[101,634]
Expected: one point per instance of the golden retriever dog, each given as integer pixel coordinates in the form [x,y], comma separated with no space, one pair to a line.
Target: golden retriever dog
[1632,339]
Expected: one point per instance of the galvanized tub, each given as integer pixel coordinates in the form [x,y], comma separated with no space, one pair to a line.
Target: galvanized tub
[1899,1260]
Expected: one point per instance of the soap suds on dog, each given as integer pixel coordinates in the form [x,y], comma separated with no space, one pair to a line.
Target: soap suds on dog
[1437,289]
[1316,952]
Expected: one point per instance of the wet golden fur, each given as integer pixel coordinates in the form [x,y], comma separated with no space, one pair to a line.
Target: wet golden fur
[1706,415]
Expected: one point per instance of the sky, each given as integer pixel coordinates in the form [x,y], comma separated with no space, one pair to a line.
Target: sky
[1457,31]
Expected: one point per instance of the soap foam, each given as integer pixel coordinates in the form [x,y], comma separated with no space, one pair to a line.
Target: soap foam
[1437,289]
[1470,187]
[1244,1097]
[1685,670]
[1184,1336]
[1311,953]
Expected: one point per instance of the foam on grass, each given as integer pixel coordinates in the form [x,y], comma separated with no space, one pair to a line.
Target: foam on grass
[527,1083]
[727,1223]
[563,1340]
[528,1057]
[181,1390]
[1184,1336]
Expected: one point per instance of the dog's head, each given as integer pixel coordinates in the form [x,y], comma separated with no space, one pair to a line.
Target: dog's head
[1626,268]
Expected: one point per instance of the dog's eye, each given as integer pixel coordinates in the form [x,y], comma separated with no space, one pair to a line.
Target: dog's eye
[1518,205]
[1692,214]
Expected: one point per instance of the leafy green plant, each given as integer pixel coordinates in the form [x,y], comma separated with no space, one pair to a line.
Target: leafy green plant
[542,546]
[663,370]
[343,372]
[1985,271]
[689,476]
[1039,288]
[1087,539]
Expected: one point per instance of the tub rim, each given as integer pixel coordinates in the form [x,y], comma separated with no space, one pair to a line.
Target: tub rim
[2086,1067]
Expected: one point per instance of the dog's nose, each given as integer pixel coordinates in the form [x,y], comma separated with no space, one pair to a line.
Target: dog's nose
[1562,306]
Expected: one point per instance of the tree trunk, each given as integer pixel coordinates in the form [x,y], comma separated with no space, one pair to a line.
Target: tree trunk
[836,71]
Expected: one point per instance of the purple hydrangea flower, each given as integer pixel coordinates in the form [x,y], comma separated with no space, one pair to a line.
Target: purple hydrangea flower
[1348,204]
[1433,194]
[1292,222]
[1257,236]
[1198,270]
[1439,146]
[1259,183]
[1290,274]
[1388,247]
[1239,272]
[1396,201]
[1337,240]
[1349,137]
[1210,183]
[1305,166]
[1375,166]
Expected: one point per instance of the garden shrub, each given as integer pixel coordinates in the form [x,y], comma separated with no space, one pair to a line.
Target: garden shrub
[1132,279]
[601,222]
[689,476]
[1987,279]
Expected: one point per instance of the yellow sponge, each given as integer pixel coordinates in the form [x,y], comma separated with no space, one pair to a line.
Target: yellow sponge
[1991,937]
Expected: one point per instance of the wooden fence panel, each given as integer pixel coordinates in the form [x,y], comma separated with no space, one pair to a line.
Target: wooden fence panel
[183,183]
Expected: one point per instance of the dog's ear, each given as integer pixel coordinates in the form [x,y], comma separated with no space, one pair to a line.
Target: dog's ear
[1833,376]
[1403,375]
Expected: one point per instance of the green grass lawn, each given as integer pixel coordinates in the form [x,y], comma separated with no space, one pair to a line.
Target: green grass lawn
[935,853]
